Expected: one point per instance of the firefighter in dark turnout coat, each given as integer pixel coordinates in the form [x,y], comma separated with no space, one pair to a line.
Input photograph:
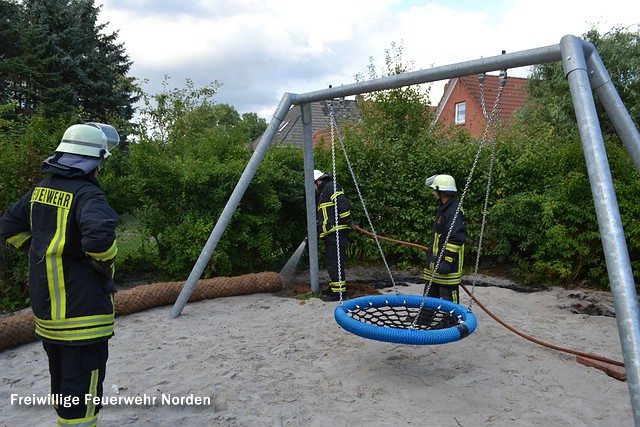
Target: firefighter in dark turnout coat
[68,228]
[447,278]
[335,233]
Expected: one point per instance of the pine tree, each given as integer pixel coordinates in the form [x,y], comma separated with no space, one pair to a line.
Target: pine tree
[60,61]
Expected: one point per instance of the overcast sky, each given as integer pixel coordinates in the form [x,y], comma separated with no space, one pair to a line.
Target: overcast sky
[260,49]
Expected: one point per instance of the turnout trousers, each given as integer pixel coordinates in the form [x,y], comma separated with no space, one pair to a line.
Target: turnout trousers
[77,371]
[446,292]
[336,269]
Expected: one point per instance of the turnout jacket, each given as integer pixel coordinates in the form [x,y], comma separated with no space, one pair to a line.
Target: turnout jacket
[69,229]
[450,269]
[326,215]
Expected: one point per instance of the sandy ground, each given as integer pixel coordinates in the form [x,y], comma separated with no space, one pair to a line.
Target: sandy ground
[274,360]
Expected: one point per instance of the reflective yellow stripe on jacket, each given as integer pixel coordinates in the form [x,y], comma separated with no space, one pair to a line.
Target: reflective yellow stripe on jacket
[453,278]
[19,239]
[76,328]
[107,255]
[325,217]
[55,272]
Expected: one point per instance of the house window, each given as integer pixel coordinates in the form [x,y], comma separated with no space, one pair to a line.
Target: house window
[461,112]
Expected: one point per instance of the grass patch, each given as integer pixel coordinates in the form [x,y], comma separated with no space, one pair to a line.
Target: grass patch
[137,252]
[308,296]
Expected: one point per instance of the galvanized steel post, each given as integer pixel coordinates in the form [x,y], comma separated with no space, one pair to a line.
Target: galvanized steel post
[603,86]
[310,192]
[604,197]
[232,204]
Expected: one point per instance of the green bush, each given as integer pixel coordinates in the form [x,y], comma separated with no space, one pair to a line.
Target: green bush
[23,147]
[544,221]
[178,186]
[14,291]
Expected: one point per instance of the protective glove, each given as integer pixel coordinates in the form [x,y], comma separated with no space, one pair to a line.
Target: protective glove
[103,267]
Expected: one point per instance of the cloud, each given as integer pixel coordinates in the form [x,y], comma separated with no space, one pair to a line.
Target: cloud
[259,50]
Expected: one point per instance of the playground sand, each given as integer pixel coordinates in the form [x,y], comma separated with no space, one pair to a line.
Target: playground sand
[273,360]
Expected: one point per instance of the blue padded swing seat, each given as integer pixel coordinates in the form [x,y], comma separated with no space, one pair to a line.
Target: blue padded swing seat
[391,318]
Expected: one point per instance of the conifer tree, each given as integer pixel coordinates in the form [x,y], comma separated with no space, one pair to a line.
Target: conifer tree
[57,58]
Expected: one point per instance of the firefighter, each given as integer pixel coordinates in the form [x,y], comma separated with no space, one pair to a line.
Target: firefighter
[334,233]
[447,279]
[69,231]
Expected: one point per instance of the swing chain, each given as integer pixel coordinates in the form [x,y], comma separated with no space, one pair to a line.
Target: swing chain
[491,121]
[482,100]
[494,115]
[334,125]
[335,204]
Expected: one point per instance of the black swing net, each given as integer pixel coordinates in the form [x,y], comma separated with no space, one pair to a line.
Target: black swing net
[415,319]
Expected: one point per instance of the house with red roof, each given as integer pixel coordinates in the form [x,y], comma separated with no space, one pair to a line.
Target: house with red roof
[461,102]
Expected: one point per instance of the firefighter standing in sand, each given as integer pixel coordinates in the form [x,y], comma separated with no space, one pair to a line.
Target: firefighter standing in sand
[68,227]
[445,282]
[335,233]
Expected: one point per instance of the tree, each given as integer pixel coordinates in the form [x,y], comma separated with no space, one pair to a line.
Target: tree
[619,50]
[544,221]
[10,51]
[178,176]
[59,60]
[162,113]
[395,112]
[388,152]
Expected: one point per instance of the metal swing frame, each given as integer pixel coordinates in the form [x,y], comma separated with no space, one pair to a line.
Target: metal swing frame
[388,317]
[586,74]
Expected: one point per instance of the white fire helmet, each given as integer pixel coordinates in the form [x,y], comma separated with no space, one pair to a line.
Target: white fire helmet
[442,183]
[89,139]
[318,174]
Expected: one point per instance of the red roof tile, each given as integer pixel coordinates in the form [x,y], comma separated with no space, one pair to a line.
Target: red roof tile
[514,94]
